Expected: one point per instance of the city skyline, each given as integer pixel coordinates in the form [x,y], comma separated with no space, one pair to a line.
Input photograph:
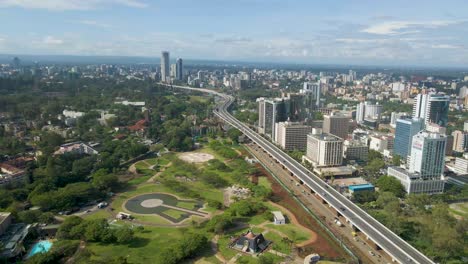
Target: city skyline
[312,32]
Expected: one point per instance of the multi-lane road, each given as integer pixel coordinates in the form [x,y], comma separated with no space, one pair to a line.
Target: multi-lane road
[395,246]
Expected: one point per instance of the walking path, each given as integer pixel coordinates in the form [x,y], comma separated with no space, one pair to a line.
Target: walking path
[153,179]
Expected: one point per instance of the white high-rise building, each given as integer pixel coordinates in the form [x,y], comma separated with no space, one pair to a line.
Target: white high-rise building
[324,149]
[428,155]
[366,110]
[313,90]
[165,77]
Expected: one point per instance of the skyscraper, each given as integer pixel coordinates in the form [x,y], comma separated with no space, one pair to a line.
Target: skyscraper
[336,124]
[428,155]
[460,141]
[179,70]
[165,66]
[432,108]
[313,90]
[406,128]
[270,112]
[367,110]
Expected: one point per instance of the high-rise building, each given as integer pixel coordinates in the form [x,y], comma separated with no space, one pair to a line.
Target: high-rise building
[313,90]
[395,116]
[428,155]
[336,124]
[366,110]
[173,71]
[461,166]
[460,141]
[270,112]
[292,136]
[179,70]
[432,108]
[406,128]
[355,150]
[165,77]
[426,164]
[324,149]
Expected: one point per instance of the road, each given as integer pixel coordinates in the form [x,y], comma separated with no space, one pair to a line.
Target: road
[395,246]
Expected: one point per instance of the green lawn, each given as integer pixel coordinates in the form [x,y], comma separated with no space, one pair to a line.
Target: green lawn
[100,213]
[139,180]
[296,233]
[278,243]
[263,181]
[144,249]
[176,214]
[186,205]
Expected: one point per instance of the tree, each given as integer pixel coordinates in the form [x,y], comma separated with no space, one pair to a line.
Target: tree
[234,135]
[396,160]
[124,234]
[364,196]
[391,184]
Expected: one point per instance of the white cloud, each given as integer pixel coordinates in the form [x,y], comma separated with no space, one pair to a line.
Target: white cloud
[62,5]
[395,27]
[94,23]
[50,40]
[445,46]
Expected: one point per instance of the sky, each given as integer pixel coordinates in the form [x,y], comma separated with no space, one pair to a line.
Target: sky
[358,32]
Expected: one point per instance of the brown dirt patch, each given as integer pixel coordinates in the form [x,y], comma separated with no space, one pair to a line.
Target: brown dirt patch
[323,245]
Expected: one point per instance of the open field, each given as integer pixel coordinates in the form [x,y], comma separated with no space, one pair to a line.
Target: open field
[459,210]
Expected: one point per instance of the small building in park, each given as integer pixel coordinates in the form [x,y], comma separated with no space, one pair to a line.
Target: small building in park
[250,243]
[278,218]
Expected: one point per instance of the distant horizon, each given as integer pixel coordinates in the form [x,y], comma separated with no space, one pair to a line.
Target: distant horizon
[88,59]
[396,33]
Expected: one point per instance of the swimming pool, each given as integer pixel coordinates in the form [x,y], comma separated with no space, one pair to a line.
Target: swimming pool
[40,247]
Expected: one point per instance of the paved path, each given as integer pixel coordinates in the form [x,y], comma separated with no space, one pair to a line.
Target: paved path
[153,179]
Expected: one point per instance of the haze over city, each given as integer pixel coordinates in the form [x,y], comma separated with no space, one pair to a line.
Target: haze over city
[240,131]
[354,32]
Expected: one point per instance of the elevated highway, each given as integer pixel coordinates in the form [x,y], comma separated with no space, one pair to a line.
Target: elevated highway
[384,238]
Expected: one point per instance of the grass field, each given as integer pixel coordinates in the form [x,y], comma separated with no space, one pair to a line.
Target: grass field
[186,205]
[176,214]
[263,181]
[144,249]
[295,233]
[459,209]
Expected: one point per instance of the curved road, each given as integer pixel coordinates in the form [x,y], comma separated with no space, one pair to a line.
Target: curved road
[395,246]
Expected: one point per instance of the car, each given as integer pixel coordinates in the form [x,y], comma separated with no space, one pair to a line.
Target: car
[343,209]
[372,253]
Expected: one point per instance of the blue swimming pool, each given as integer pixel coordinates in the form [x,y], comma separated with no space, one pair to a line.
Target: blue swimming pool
[40,247]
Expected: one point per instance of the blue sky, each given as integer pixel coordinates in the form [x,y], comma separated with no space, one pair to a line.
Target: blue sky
[375,32]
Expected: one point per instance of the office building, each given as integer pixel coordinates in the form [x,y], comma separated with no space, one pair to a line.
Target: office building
[406,128]
[292,136]
[460,141]
[173,71]
[324,149]
[165,67]
[313,92]
[355,150]
[432,108]
[270,112]
[414,184]
[395,116]
[428,155]
[381,143]
[366,110]
[461,166]
[336,124]
[179,70]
